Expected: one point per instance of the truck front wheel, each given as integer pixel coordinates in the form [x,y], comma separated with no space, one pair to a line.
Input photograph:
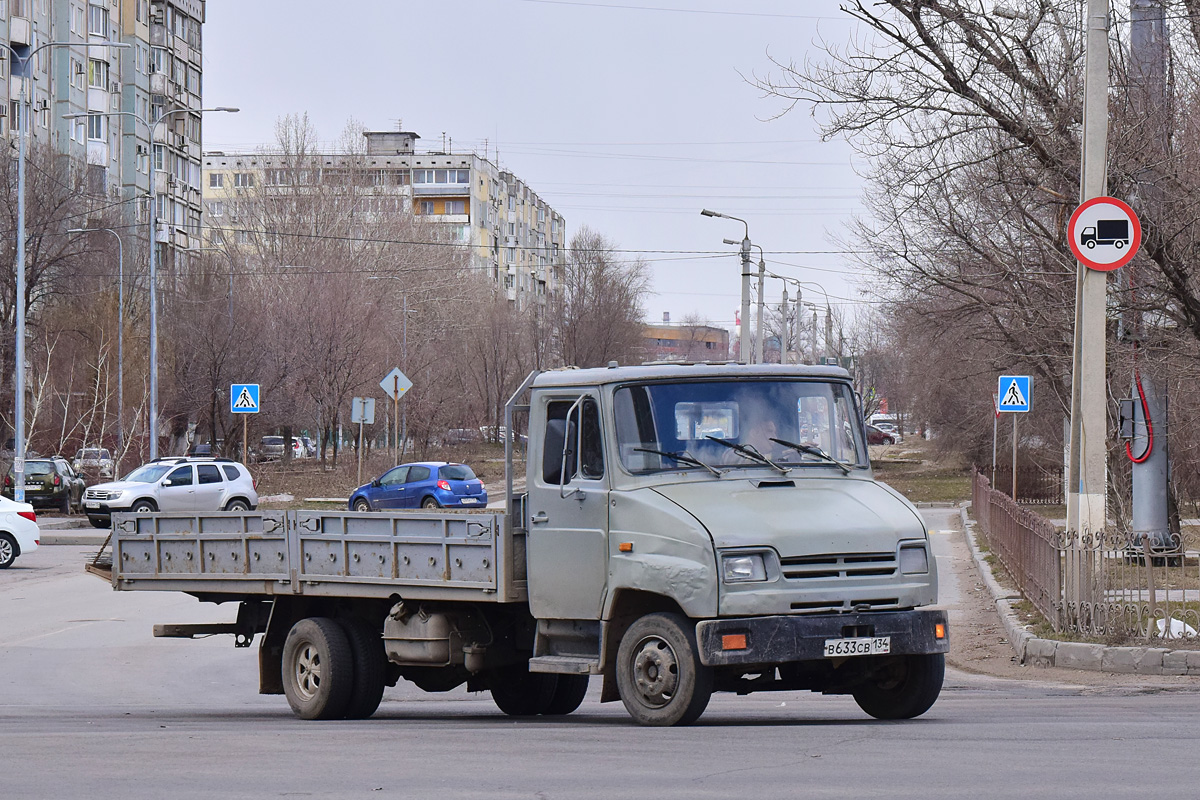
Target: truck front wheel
[318,669]
[659,674]
[904,688]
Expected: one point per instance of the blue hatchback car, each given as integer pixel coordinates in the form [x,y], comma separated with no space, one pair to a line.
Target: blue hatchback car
[427,484]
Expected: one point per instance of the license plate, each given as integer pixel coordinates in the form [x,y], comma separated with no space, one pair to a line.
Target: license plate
[865,646]
[470,499]
[91,504]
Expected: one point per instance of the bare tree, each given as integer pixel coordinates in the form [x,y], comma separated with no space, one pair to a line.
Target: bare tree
[598,316]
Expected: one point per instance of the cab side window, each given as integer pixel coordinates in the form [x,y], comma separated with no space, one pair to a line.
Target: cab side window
[574,429]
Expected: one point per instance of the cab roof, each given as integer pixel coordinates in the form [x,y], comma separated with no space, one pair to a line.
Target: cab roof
[683,371]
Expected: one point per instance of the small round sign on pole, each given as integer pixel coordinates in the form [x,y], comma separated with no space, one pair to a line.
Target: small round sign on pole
[1104,233]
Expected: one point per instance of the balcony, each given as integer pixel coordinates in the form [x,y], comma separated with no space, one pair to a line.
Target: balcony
[442,189]
[20,32]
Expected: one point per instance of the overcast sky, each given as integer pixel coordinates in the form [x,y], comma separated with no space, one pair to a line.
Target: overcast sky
[627,116]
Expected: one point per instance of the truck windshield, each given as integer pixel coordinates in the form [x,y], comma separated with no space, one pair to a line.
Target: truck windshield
[689,417]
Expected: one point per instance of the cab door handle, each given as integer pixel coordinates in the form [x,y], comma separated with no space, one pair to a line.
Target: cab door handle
[540,518]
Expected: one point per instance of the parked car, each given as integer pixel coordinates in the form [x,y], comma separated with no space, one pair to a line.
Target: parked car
[174,484]
[19,533]
[270,448]
[205,449]
[877,435]
[94,460]
[49,482]
[428,484]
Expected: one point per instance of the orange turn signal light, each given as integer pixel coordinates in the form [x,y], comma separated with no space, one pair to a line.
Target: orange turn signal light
[625,547]
[939,630]
[733,641]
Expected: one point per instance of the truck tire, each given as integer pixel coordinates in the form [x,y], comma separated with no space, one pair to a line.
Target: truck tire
[568,695]
[659,674]
[905,688]
[318,669]
[521,693]
[370,668]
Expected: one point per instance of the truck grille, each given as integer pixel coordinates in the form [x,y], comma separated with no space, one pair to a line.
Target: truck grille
[855,565]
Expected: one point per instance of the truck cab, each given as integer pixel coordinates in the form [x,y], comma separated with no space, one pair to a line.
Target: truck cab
[717,527]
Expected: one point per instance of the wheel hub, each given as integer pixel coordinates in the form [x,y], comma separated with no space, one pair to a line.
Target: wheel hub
[655,672]
[308,671]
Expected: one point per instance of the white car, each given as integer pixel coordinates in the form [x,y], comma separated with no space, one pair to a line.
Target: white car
[19,531]
[178,483]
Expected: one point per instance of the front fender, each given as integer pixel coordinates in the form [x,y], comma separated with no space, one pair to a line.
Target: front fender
[669,553]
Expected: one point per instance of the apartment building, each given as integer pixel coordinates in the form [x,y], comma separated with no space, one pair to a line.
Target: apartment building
[97,104]
[513,236]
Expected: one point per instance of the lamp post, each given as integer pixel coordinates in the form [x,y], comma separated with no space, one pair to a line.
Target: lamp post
[19,311]
[151,127]
[120,339]
[744,342]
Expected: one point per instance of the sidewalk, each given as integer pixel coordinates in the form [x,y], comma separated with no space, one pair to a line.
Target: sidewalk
[1074,655]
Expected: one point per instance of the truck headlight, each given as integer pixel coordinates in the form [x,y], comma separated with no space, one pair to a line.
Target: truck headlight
[743,567]
[914,560]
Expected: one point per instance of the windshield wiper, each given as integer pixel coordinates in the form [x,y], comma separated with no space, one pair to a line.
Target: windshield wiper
[748,451]
[682,458]
[813,450]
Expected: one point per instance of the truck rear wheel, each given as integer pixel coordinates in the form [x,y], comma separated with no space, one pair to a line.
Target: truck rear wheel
[568,694]
[659,674]
[370,668]
[318,669]
[904,688]
[521,693]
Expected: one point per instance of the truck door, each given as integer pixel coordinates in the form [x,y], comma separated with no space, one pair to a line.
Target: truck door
[567,548]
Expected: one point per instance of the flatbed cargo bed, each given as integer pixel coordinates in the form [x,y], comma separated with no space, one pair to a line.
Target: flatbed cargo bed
[442,555]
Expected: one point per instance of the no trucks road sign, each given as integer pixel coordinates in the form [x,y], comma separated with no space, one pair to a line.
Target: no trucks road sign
[1104,233]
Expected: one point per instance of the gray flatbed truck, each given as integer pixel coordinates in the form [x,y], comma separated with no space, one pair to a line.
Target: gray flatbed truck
[682,529]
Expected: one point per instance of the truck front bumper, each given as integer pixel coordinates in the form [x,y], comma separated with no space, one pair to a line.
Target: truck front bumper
[749,641]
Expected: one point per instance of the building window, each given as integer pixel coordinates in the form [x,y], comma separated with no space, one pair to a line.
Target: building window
[216,180]
[426,206]
[97,74]
[243,180]
[158,58]
[97,20]
[95,127]
[456,207]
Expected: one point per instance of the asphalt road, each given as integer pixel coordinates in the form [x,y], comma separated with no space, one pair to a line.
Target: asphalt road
[93,706]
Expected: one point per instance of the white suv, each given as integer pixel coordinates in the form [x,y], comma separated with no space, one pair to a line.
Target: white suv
[174,484]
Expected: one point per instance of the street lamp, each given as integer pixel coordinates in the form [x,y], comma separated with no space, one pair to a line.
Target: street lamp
[19,312]
[120,339]
[744,344]
[151,127]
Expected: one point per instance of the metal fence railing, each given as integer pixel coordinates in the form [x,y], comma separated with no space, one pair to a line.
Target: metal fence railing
[1115,584]
[1035,485]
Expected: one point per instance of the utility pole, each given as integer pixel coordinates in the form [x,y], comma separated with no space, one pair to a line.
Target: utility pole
[1088,478]
[762,273]
[744,340]
[783,312]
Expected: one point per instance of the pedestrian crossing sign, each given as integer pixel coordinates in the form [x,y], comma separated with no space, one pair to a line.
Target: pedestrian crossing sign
[243,398]
[1015,393]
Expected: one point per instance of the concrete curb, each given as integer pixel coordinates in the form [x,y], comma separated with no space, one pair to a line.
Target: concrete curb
[1074,655]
